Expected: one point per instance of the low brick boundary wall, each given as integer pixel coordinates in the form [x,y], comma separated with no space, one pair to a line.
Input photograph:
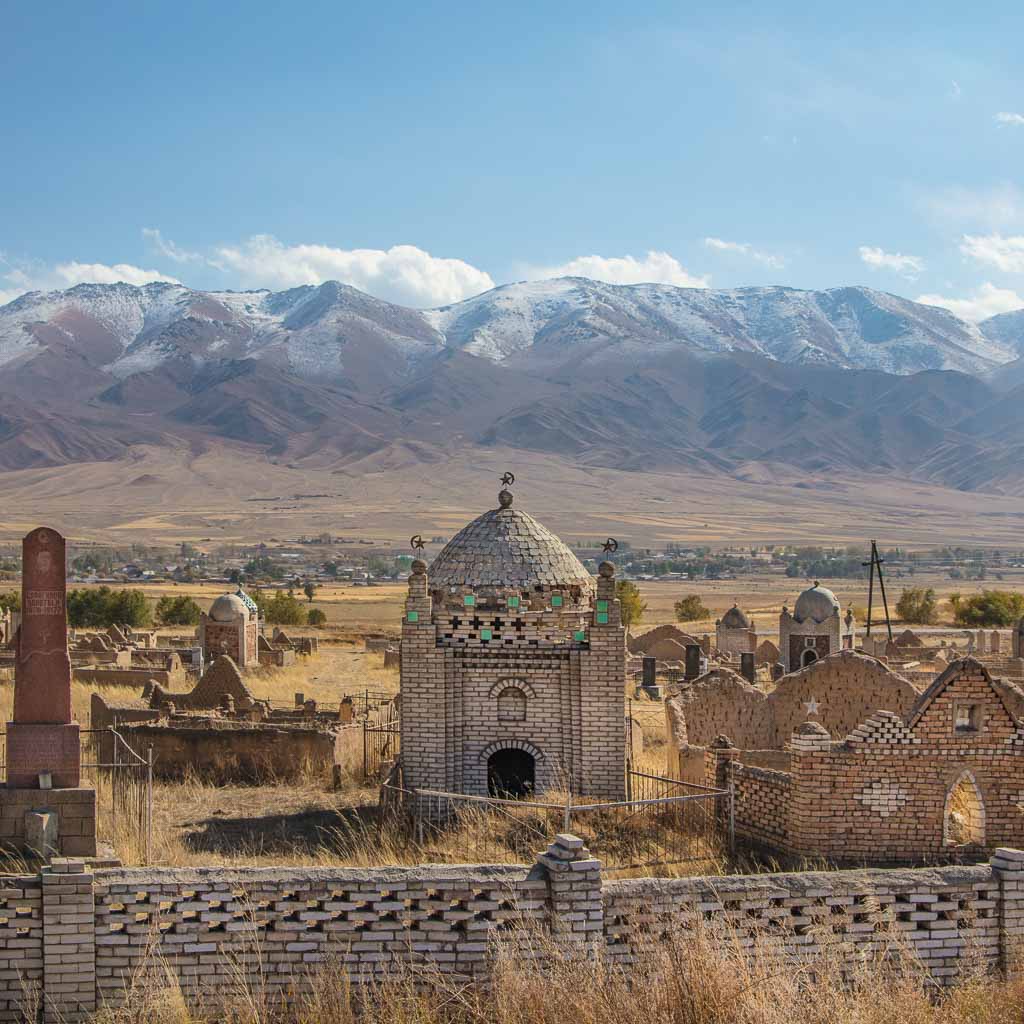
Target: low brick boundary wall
[82,940]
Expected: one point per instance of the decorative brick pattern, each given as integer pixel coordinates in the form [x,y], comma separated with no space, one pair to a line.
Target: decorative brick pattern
[82,941]
[947,917]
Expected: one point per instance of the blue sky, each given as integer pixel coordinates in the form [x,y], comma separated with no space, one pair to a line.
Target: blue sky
[426,151]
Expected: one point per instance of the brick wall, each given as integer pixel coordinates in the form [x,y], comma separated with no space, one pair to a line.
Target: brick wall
[950,918]
[88,938]
[761,801]
[21,945]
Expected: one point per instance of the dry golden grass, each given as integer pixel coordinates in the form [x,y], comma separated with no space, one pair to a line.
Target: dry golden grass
[691,978]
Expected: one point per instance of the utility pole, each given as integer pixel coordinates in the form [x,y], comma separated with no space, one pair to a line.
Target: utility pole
[876,566]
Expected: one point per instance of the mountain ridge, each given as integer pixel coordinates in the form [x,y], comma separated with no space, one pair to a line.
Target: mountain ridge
[628,376]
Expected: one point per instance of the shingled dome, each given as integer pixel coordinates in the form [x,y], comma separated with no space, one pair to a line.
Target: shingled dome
[817,603]
[734,618]
[227,607]
[507,548]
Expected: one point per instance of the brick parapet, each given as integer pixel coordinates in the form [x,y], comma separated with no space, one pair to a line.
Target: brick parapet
[88,938]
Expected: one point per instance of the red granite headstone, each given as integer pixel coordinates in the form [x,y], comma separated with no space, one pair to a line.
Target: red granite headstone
[42,737]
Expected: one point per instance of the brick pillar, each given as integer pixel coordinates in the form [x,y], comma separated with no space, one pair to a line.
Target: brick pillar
[69,942]
[574,894]
[1008,868]
[717,758]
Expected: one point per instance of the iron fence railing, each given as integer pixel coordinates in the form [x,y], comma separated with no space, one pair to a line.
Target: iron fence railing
[123,780]
[666,824]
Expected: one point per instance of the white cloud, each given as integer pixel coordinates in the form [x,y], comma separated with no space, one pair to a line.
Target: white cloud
[746,249]
[879,259]
[403,273]
[167,248]
[1001,251]
[987,300]
[654,268]
[18,277]
[1007,117]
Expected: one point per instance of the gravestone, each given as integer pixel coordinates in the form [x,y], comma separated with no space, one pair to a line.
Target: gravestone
[650,670]
[747,669]
[43,737]
[693,659]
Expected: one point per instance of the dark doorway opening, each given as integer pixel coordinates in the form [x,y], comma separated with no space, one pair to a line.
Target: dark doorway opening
[510,773]
[809,658]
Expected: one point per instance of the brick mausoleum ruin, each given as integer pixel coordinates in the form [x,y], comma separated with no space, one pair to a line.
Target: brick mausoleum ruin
[848,760]
[512,666]
[219,730]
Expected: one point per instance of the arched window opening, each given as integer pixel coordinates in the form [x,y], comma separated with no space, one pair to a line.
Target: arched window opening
[511,773]
[511,705]
[809,657]
[964,823]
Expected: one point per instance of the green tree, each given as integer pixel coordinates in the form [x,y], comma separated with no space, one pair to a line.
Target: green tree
[631,607]
[918,604]
[316,617]
[102,607]
[177,611]
[989,608]
[281,609]
[309,589]
[691,608]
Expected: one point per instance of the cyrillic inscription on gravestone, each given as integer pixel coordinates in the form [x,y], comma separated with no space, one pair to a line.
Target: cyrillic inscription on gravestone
[42,681]
[42,737]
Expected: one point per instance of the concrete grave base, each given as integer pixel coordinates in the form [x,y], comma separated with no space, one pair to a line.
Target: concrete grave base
[62,819]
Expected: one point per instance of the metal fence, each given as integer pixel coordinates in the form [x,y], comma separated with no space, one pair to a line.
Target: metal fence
[382,739]
[123,780]
[665,824]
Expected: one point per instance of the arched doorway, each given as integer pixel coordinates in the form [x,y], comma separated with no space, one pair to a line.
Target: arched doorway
[964,820]
[511,773]
[809,657]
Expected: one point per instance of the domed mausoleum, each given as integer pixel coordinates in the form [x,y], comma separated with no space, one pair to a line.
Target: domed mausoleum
[816,628]
[513,666]
[735,632]
[231,627]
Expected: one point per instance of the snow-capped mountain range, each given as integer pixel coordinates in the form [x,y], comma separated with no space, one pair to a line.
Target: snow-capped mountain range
[317,330]
[632,375]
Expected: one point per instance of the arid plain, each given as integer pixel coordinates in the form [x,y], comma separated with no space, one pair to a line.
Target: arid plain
[167,495]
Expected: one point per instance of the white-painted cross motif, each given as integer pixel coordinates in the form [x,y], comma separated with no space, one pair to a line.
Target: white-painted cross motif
[812,706]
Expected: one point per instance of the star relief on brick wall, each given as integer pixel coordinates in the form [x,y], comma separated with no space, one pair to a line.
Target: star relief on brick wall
[812,706]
